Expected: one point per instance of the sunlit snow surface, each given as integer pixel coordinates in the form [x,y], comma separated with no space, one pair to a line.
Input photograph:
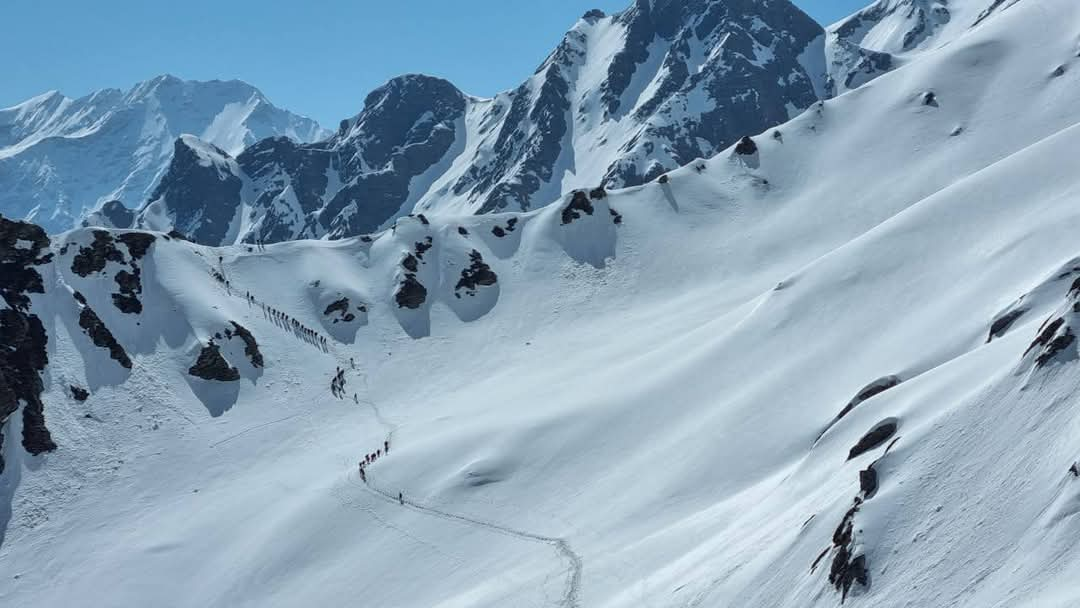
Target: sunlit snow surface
[650,393]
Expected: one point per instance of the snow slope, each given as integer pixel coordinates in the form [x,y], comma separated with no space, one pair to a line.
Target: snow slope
[62,157]
[643,409]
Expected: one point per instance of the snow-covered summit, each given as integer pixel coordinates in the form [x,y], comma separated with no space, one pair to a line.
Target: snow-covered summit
[620,100]
[60,157]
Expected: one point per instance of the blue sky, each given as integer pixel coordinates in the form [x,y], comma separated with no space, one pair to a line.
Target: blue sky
[315,57]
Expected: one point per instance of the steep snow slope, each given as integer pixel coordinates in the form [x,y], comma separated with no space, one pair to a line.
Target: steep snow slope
[887,33]
[641,409]
[60,157]
[622,99]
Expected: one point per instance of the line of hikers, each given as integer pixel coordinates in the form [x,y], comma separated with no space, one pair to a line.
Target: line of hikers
[371,458]
[309,335]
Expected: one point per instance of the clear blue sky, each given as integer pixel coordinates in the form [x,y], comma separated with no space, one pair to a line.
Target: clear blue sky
[315,57]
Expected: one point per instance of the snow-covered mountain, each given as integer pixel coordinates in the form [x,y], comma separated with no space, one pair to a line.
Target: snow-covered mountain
[834,364]
[61,157]
[621,100]
[886,34]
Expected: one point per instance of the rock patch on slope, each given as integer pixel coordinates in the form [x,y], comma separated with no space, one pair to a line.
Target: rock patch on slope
[211,365]
[23,354]
[478,273]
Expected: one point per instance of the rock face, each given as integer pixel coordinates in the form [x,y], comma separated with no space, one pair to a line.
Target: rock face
[212,366]
[478,273]
[101,336]
[251,347]
[61,157]
[199,195]
[678,80]
[102,250]
[23,341]
[410,293]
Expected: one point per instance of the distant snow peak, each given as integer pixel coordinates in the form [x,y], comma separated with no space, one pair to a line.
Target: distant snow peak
[60,158]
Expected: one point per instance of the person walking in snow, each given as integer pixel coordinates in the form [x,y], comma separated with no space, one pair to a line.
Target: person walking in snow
[401,498]
[386,446]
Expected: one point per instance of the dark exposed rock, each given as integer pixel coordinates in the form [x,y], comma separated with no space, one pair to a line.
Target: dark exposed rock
[176,234]
[211,365]
[251,347]
[847,568]
[23,341]
[868,481]
[478,273]
[23,357]
[130,288]
[138,243]
[101,251]
[870,390]
[746,146]
[498,231]
[578,204]
[79,393]
[423,220]
[511,224]
[422,247]
[616,218]
[116,215]
[462,231]
[873,439]
[201,189]
[410,293]
[1055,346]
[1003,323]
[598,193]
[22,246]
[1046,334]
[102,337]
[663,179]
[593,15]
[410,263]
[340,306]
[929,98]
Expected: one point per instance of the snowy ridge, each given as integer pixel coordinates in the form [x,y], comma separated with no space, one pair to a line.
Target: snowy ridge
[45,142]
[622,99]
[835,363]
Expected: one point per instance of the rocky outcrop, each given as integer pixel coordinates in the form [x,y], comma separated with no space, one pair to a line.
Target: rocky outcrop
[23,354]
[478,273]
[199,195]
[102,250]
[410,293]
[339,310]
[579,204]
[93,258]
[79,393]
[101,336]
[874,438]
[211,365]
[251,347]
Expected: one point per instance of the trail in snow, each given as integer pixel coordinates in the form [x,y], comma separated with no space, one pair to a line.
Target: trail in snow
[571,596]
[254,428]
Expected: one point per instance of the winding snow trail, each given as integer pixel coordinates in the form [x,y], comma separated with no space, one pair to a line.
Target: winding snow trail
[571,596]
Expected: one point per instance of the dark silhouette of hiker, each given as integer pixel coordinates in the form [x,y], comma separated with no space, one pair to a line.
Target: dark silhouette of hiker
[386,446]
[1074,470]
[401,498]
[378,453]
